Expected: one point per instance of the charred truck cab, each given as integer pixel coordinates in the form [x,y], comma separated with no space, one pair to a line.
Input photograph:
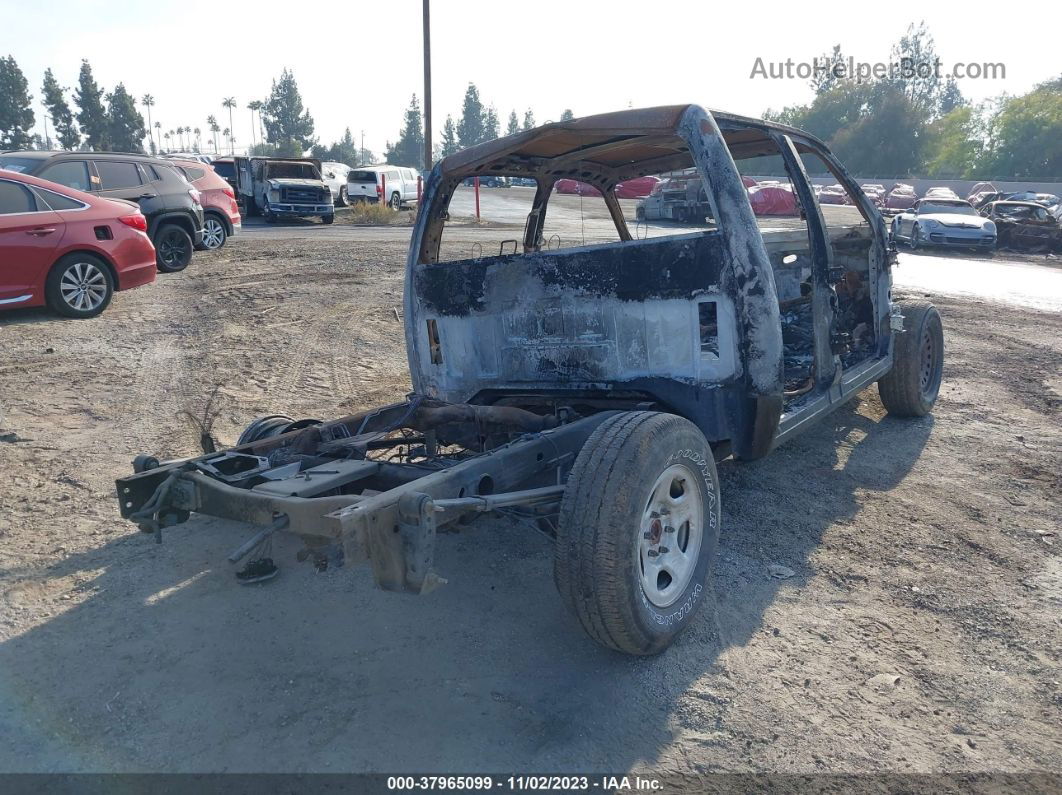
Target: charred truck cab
[589,390]
[278,188]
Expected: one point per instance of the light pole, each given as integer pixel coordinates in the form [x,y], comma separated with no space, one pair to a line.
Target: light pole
[427,87]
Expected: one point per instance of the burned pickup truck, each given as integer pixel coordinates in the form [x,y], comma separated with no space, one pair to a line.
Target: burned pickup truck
[588,390]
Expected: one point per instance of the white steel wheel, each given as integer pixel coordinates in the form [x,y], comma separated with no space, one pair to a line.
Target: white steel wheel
[637,530]
[672,527]
[214,233]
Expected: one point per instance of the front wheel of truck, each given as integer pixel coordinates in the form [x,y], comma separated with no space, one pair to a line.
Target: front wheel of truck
[327,219]
[637,531]
[911,387]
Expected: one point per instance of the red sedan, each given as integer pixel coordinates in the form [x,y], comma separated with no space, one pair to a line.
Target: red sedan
[67,249]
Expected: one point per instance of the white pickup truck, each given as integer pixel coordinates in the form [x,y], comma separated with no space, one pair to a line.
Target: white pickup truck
[397,185]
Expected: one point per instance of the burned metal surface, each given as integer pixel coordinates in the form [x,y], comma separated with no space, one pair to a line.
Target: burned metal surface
[605,317]
[516,359]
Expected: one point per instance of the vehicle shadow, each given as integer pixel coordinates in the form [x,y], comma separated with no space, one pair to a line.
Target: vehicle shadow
[164,663]
[18,317]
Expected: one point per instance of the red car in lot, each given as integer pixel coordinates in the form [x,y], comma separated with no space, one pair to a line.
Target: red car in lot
[67,249]
[221,214]
[637,188]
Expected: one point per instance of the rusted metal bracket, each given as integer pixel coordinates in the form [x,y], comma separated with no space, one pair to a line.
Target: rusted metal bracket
[416,526]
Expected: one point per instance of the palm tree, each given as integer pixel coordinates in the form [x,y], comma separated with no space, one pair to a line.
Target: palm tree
[226,133]
[254,105]
[148,102]
[212,125]
[158,133]
[230,103]
[167,136]
[197,132]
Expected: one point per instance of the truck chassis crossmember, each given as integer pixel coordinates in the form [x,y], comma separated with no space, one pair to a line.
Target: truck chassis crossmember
[368,484]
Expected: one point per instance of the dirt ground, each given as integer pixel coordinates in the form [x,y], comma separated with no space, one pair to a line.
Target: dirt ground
[920,631]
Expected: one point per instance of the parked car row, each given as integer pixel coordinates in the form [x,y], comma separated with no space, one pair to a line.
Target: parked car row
[68,249]
[394,185]
[943,220]
[76,226]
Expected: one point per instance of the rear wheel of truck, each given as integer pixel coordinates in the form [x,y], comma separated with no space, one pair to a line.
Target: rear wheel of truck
[911,387]
[342,201]
[637,531]
[396,202]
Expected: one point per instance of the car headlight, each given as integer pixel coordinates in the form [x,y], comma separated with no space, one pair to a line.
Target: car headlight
[929,223]
[989,227]
[274,195]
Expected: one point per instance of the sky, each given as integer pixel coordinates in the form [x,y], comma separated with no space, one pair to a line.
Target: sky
[357,63]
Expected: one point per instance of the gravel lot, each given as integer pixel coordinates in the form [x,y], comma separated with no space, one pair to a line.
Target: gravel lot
[919,633]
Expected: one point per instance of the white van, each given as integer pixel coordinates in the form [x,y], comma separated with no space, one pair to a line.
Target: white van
[371,183]
[335,176]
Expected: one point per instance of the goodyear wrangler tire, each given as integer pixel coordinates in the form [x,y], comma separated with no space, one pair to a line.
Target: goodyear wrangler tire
[638,529]
[911,387]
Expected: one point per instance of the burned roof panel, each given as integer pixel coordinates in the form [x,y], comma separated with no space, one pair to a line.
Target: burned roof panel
[625,144]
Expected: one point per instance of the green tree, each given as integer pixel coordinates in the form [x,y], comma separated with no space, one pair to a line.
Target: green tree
[829,112]
[16,115]
[950,97]
[514,124]
[952,145]
[828,76]
[91,115]
[470,128]
[148,102]
[529,119]
[62,119]
[1025,135]
[230,103]
[409,149]
[345,150]
[887,138]
[491,125]
[919,76]
[449,145]
[212,125]
[126,131]
[567,115]
[288,126]
[254,105]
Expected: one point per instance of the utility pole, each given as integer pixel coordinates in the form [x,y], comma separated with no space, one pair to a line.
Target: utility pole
[427,88]
[361,154]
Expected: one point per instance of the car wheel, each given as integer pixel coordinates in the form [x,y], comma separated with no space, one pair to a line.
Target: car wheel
[214,233]
[895,230]
[396,202]
[173,248]
[637,530]
[916,238]
[911,387]
[342,201]
[79,285]
[327,219]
